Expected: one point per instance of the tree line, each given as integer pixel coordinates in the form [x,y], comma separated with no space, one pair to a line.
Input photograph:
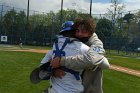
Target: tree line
[42,28]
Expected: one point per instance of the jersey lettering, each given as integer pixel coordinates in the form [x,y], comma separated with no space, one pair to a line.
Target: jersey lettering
[96,49]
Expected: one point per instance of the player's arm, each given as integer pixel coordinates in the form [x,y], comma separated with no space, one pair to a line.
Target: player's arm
[87,60]
[47,57]
[97,45]
[93,57]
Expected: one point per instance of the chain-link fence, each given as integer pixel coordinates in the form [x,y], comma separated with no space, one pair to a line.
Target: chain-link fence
[13,25]
[42,28]
[124,35]
[39,29]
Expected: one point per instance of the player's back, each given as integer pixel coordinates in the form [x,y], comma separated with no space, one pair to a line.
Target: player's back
[68,83]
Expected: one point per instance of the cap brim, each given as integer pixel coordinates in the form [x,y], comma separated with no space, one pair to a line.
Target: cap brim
[34,76]
[66,29]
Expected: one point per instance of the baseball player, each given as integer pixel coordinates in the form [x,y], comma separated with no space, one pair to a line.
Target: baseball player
[66,45]
[93,58]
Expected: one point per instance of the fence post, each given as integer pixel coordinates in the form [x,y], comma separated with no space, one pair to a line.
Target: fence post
[1,22]
[12,28]
[61,13]
[52,30]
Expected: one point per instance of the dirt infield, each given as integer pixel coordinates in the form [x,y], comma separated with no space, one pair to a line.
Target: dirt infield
[33,50]
[113,67]
[125,70]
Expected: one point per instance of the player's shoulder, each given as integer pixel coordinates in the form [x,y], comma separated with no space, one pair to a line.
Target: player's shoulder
[79,43]
[82,46]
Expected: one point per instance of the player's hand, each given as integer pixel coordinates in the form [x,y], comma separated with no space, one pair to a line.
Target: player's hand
[55,63]
[58,73]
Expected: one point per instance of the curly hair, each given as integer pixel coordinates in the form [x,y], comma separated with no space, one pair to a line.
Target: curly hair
[88,23]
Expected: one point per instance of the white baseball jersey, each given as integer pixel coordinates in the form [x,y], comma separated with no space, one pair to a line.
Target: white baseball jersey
[92,80]
[68,83]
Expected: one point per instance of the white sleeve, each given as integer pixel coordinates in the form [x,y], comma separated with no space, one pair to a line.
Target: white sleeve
[47,57]
[84,48]
[104,64]
[93,57]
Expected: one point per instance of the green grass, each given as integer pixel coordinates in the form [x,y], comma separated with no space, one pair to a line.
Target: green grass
[130,53]
[9,47]
[15,68]
[37,47]
[130,62]
[118,82]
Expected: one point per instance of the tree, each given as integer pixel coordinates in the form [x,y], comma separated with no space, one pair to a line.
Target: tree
[20,25]
[115,10]
[69,14]
[9,23]
[128,17]
[104,28]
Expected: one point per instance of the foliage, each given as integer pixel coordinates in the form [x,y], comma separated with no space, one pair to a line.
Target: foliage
[43,27]
[115,14]
[13,24]
[104,28]
[69,14]
[132,25]
[115,9]
[128,17]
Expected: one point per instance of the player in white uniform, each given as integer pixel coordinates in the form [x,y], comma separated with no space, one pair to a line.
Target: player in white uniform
[71,82]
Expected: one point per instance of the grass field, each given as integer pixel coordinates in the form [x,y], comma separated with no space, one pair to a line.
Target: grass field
[130,62]
[15,68]
[118,82]
[9,47]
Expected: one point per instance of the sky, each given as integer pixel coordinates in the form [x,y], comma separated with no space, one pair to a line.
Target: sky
[98,6]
